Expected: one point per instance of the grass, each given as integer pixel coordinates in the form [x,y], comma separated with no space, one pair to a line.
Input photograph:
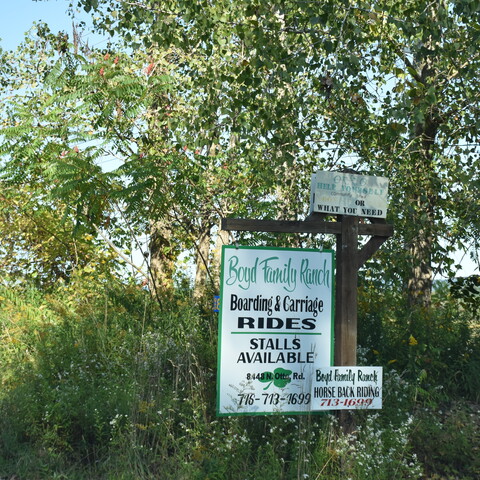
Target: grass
[98,382]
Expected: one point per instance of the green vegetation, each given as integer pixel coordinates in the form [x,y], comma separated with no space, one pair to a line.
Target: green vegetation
[198,110]
[98,382]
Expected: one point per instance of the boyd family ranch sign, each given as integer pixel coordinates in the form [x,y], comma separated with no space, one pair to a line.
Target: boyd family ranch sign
[279,310]
[276,328]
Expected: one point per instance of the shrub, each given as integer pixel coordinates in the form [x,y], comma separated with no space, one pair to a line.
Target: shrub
[100,382]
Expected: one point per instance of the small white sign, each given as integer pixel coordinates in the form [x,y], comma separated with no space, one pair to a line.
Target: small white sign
[347,388]
[349,194]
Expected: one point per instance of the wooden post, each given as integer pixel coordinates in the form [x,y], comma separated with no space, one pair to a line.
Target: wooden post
[349,259]
[346,293]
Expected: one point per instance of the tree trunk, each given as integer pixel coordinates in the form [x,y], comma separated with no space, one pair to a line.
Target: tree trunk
[420,282]
[424,199]
[425,196]
[202,262]
[289,202]
[163,255]
[222,239]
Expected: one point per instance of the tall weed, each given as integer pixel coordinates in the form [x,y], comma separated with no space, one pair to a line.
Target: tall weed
[99,382]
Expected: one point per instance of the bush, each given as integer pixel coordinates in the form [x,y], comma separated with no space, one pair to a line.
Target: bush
[441,346]
[447,441]
[100,382]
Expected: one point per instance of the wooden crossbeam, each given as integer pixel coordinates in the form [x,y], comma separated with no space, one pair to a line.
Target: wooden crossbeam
[349,259]
[303,226]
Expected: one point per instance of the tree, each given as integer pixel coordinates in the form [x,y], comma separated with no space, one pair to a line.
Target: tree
[179,168]
[409,98]
[36,227]
[391,84]
[81,108]
[243,99]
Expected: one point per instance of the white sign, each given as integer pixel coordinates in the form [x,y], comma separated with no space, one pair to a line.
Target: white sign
[275,328]
[347,388]
[349,194]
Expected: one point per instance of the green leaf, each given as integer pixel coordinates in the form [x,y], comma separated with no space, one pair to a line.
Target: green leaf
[282,377]
[279,377]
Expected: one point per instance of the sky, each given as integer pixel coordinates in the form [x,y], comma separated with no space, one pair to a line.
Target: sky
[18,17]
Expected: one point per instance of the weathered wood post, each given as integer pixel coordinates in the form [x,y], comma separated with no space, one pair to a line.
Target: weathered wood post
[346,293]
[349,260]
[363,195]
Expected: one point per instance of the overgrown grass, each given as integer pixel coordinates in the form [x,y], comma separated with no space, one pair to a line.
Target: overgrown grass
[98,382]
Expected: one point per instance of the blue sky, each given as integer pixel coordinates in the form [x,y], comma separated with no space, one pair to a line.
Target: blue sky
[18,16]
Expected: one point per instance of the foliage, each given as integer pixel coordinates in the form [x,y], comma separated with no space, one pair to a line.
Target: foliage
[47,237]
[98,382]
[130,108]
[374,452]
[37,245]
[379,87]
[455,451]
[224,108]
[424,344]
[467,289]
